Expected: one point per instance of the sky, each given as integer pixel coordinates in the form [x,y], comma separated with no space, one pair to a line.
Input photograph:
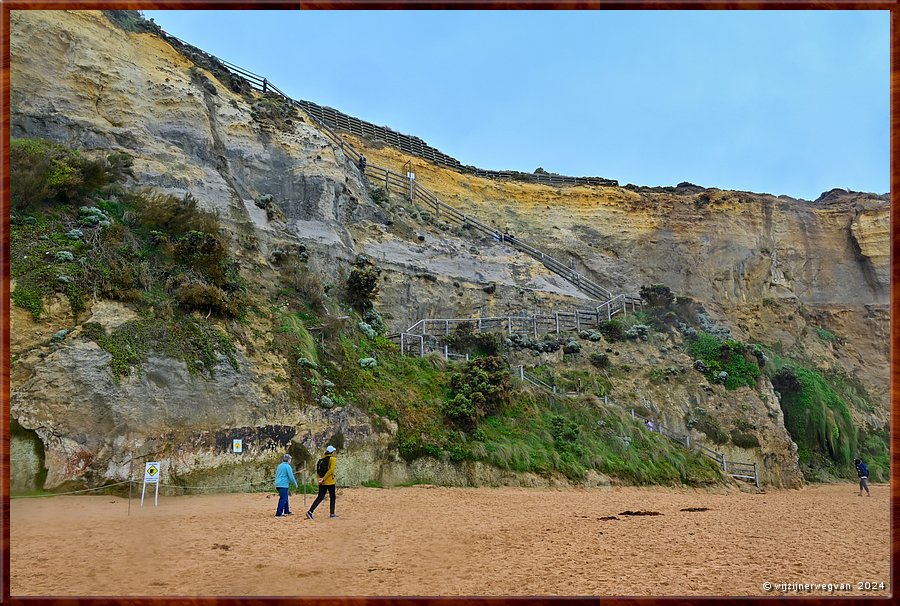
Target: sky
[780,102]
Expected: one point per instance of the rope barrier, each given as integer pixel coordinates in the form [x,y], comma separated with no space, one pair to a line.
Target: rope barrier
[220,486]
[60,494]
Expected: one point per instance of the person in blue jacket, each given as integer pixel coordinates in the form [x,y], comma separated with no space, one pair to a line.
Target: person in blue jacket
[284,477]
[862,470]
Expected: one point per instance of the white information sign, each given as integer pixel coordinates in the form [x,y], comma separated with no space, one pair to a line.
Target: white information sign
[151,476]
[151,473]
[237,446]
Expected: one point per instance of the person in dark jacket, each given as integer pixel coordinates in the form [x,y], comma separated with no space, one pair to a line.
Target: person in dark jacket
[326,484]
[862,470]
[284,477]
[362,165]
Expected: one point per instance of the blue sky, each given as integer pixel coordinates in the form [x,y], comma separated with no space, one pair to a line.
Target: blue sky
[782,102]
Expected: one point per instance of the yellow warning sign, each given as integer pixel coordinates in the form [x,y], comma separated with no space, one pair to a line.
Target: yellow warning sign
[151,473]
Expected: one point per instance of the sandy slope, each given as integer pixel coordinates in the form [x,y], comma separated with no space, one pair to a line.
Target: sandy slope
[443,541]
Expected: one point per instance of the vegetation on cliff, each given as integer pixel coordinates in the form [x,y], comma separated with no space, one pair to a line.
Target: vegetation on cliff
[76,231]
[818,417]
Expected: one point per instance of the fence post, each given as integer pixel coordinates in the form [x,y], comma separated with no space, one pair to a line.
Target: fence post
[577,321]
[687,440]
[534,324]
[265,86]
[402,349]
[467,357]
[606,399]
[509,325]
[608,311]
[412,188]
[557,321]
[522,372]
[447,327]
[387,187]
[632,415]
[446,352]
[422,346]
[755,475]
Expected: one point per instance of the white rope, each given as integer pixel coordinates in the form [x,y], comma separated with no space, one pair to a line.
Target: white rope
[59,494]
[221,486]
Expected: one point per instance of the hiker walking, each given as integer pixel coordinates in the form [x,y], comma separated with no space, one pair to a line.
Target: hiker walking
[362,165]
[284,477]
[325,471]
[862,470]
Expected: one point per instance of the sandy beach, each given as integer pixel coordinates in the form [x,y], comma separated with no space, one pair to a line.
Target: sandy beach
[453,541]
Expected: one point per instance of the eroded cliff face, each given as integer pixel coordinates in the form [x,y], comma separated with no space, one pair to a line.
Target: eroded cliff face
[80,80]
[771,268]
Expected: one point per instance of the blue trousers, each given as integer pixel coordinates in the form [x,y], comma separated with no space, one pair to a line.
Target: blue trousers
[283,506]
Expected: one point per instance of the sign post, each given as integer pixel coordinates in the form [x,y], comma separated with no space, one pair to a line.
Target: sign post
[151,476]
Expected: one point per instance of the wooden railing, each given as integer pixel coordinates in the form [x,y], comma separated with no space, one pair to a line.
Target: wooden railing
[736,469]
[417,147]
[417,193]
[534,324]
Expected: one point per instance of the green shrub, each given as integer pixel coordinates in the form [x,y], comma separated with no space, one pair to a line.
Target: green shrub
[600,360]
[827,336]
[612,330]
[815,415]
[42,171]
[362,284]
[657,295]
[461,410]
[172,216]
[726,355]
[28,299]
[481,389]
[379,195]
[465,339]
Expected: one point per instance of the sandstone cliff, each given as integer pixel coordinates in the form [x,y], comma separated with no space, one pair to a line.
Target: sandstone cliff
[772,269]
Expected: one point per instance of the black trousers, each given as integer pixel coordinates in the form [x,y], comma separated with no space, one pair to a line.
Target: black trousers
[323,488]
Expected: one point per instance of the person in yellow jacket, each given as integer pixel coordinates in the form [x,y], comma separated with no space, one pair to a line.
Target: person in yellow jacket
[326,483]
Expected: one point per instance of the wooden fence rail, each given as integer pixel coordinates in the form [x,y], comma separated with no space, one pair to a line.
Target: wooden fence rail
[736,469]
[325,117]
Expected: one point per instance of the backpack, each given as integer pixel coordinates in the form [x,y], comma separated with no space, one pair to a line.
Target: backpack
[322,466]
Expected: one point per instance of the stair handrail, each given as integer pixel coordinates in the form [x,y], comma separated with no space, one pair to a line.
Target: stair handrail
[267,87]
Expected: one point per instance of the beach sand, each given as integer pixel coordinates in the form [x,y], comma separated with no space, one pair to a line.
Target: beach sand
[434,541]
